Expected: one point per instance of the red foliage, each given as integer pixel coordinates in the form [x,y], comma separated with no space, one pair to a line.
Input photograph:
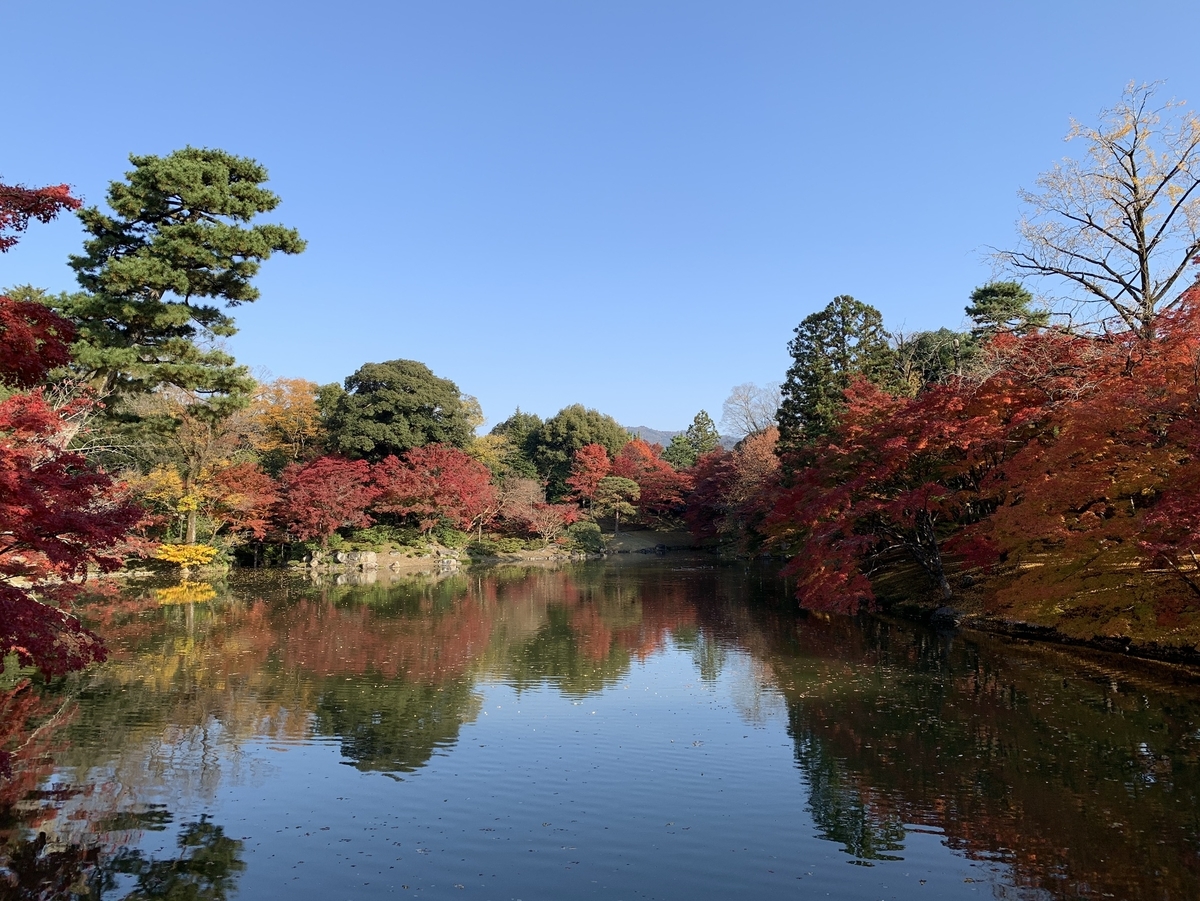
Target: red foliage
[732,492]
[57,516]
[662,486]
[320,497]
[245,497]
[35,340]
[589,466]
[432,482]
[18,205]
[711,477]
[925,475]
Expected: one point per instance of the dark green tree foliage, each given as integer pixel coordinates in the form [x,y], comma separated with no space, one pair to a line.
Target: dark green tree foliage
[929,358]
[393,725]
[1004,307]
[155,269]
[518,430]
[700,438]
[206,867]
[553,445]
[831,348]
[390,407]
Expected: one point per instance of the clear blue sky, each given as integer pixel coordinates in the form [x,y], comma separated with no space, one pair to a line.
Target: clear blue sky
[624,204]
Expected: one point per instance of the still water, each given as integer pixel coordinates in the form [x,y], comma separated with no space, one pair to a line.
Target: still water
[645,729]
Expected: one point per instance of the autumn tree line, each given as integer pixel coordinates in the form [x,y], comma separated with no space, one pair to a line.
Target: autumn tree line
[1049,435]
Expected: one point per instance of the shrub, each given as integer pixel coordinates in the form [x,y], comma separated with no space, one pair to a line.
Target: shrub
[380,534]
[186,556]
[487,547]
[449,536]
[585,536]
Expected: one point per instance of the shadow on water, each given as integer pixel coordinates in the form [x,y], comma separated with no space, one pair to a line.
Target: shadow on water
[1076,773]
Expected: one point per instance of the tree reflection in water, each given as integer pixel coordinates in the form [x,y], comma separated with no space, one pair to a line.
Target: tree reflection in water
[1079,773]
[205,868]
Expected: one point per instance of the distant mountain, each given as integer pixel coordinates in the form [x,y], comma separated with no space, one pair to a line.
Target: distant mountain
[652,436]
[658,436]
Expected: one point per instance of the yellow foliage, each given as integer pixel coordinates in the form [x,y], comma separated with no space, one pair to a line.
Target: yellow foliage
[287,418]
[490,450]
[186,555]
[186,593]
[161,487]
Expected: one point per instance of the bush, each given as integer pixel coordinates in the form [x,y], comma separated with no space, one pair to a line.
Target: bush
[585,536]
[484,548]
[186,556]
[511,545]
[450,537]
[379,535]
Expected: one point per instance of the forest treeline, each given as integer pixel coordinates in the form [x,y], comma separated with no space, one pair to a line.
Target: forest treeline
[1046,449]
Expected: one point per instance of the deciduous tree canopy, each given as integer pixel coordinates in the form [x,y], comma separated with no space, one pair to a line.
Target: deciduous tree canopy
[1121,224]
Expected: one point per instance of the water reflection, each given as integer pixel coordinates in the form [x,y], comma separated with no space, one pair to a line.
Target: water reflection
[1076,776]
[204,867]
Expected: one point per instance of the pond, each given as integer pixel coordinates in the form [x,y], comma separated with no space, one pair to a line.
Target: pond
[659,728]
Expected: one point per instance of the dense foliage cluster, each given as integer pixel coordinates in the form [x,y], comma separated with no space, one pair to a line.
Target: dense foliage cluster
[1011,449]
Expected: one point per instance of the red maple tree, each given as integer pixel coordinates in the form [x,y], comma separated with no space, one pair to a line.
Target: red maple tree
[925,476]
[241,500]
[320,497]
[662,486]
[19,205]
[35,340]
[58,515]
[435,482]
[588,467]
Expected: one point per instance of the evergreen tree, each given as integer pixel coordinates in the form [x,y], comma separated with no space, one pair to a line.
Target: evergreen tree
[700,438]
[830,349]
[390,407]
[553,445]
[154,270]
[517,431]
[1004,307]
[931,357]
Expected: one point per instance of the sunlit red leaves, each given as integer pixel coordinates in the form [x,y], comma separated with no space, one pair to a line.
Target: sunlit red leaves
[662,486]
[924,474]
[435,482]
[19,205]
[57,517]
[35,340]
[242,498]
[588,467]
[318,498]
[1070,455]
[731,492]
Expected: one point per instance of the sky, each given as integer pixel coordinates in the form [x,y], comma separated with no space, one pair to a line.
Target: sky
[628,205]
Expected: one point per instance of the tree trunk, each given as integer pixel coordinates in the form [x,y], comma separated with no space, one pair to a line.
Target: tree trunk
[929,555]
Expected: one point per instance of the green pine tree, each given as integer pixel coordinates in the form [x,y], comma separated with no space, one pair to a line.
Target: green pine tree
[158,268]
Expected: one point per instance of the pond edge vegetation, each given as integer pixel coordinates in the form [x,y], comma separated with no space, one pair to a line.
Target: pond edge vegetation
[1035,473]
